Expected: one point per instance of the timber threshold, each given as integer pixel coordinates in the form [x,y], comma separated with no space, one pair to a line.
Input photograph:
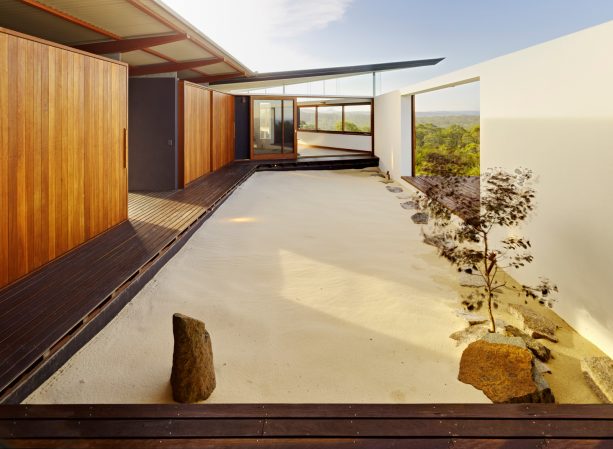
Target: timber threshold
[50,314]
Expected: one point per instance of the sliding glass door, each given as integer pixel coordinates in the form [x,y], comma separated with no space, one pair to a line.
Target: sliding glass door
[273,132]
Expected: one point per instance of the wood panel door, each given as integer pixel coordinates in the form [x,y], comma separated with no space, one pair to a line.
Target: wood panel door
[63,150]
[223,130]
[206,131]
[194,132]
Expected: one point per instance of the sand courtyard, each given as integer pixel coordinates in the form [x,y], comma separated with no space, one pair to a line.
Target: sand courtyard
[315,287]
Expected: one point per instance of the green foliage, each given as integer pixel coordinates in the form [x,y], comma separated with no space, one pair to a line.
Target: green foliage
[453,150]
[352,127]
[443,121]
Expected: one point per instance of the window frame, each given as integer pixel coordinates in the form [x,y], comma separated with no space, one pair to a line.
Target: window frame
[342,105]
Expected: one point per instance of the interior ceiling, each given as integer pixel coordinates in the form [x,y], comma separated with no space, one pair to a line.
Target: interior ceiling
[78,22]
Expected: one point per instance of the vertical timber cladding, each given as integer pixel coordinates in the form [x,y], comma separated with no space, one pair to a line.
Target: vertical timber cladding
[206,131]
[223,129]
[63,150]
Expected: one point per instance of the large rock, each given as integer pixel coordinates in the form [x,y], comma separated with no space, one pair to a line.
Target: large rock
[193,375]
[394,189]
[541,351]
[504,372]
[535,324]
[598,372]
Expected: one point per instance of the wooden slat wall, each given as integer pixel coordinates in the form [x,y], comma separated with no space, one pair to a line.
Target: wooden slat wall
[223,130]
[62,168]
[194,130]
[206,131]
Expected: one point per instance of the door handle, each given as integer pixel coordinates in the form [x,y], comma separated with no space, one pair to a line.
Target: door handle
[125,147]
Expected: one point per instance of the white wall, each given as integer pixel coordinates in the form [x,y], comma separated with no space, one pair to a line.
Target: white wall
[335,140]
[548,108]
[392,141]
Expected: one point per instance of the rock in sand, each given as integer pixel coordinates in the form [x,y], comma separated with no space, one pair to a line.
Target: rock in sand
[541,351]
[394,189]
[420,218]
[504,372]
[598,372]
[193,375]
[535,324]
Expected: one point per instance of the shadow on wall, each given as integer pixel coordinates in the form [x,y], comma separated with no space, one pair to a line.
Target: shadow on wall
[572,159]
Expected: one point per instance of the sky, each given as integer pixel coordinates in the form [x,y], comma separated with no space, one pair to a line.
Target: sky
[272,35]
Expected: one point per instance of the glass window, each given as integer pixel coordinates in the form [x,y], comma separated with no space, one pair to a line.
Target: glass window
[306,118]
[330,118]
[357,118]
[288,126]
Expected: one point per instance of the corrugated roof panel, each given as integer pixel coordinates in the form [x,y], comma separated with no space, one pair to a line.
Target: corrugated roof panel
[183,51]
[220,68]
[116,16]
[140,57]
[29,20]
[185,74]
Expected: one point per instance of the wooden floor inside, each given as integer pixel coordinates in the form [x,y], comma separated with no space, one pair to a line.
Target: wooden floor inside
[48,315]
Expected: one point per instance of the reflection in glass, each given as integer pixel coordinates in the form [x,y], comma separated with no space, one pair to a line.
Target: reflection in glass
[288,126]
[357,118]
[273,126]
[306,117]
[330,118]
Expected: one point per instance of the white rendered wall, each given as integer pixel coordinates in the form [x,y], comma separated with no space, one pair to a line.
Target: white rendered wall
[335,140]
[548,108]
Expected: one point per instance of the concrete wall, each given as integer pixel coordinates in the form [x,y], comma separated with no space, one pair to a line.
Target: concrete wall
[335,140]
[548,108]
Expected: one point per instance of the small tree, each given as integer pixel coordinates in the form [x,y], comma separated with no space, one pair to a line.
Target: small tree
[506,201]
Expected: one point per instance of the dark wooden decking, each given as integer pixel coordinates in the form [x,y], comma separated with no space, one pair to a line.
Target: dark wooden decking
[467,190]
[48,315]
[363,426]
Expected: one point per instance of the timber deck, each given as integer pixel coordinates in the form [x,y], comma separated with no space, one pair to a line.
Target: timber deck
[48,315]
[466,191]
[357,426]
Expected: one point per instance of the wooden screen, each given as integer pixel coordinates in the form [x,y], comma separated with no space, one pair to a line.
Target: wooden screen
[206,131]
[223,130]
[63,175]
[194,131]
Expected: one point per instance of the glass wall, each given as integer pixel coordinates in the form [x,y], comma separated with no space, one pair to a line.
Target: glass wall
[273,126]
[329,118]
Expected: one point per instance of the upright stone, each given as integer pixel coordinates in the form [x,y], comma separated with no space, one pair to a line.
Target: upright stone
[193,375]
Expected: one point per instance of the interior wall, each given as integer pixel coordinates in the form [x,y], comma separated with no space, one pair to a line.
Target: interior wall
[63,167]
[153,133]
[550,108]
[335,140]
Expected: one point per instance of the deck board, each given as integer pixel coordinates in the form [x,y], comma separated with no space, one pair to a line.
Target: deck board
[372,426]
[467,190]
[43,311]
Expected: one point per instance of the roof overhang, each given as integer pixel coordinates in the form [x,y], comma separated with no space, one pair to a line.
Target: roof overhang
[262,80]
[148,35]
